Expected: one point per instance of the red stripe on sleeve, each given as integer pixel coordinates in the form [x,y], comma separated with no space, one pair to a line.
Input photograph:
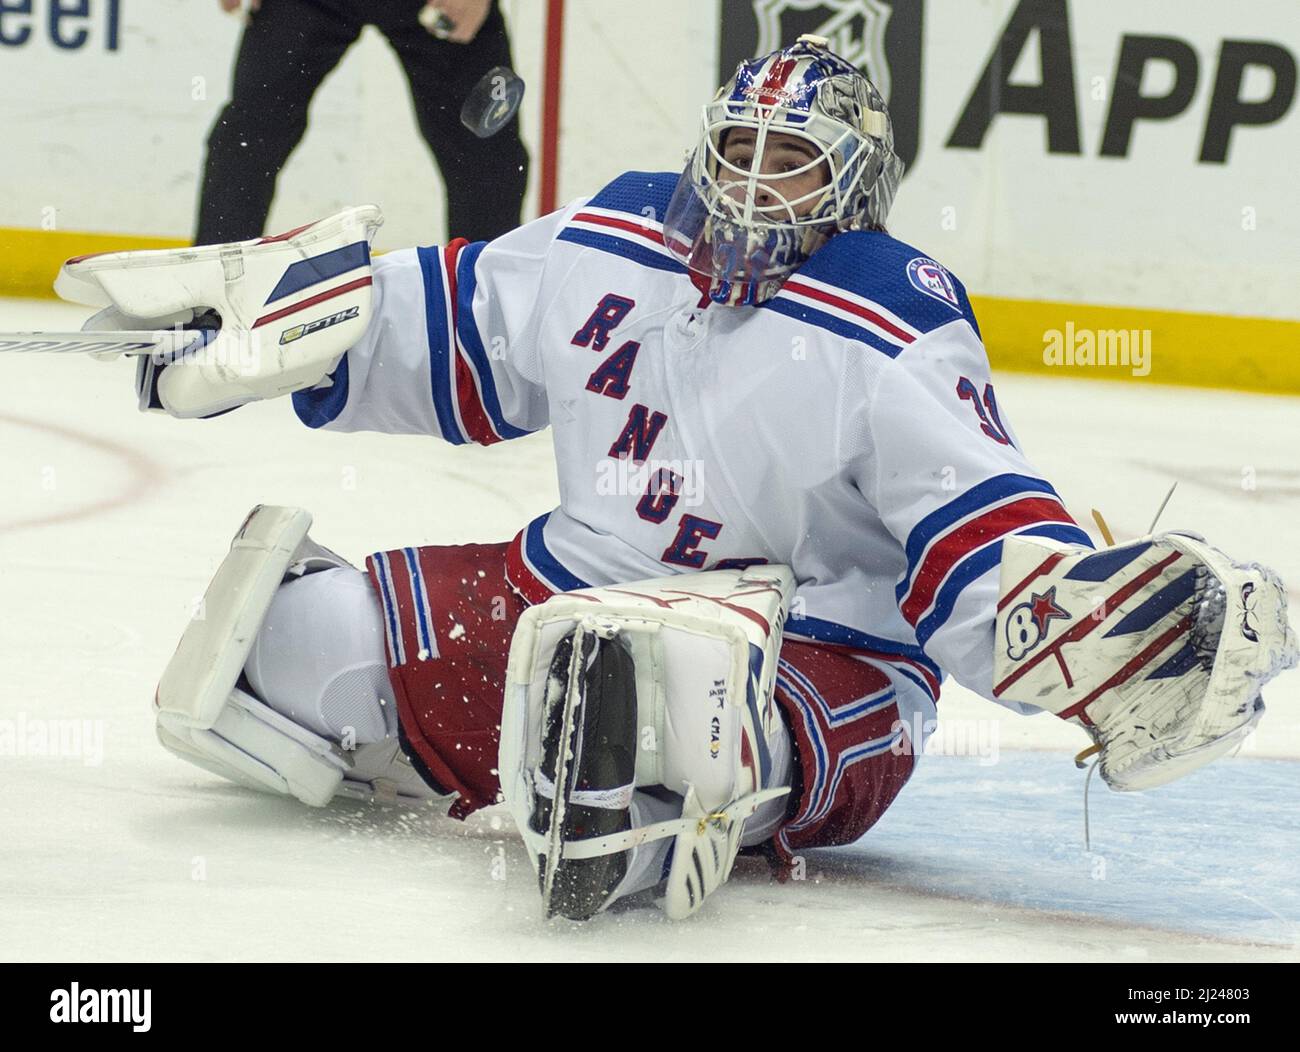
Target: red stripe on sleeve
[525,582]
[951,549]
[472,414]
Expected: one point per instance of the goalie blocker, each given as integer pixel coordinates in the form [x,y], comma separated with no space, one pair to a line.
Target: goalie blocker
[226,324]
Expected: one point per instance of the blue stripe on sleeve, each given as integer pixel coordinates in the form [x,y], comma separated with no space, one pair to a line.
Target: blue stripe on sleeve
[941,519]
[440,351]
[979,563]
[545,563]
[467,331]
[973,567]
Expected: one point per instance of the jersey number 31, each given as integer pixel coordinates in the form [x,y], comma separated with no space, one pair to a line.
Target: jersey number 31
[990,424]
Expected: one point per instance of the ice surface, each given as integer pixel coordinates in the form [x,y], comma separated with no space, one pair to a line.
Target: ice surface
[112,523]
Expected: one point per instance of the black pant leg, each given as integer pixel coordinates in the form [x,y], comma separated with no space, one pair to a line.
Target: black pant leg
[485,178]
[286,51]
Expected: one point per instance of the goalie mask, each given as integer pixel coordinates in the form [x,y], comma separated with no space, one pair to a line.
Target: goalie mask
[741,230]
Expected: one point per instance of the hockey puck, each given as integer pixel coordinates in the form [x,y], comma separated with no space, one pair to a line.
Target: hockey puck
[492,102]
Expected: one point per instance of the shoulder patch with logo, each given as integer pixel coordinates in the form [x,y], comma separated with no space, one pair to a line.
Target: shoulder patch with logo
[929,277]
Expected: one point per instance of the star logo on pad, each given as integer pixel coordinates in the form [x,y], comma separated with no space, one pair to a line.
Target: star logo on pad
[1042,608]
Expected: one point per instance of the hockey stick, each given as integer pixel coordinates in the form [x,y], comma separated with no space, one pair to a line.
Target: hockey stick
[163,342]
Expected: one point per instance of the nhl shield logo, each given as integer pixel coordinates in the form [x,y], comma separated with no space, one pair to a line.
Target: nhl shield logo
[881,37]
[856,32]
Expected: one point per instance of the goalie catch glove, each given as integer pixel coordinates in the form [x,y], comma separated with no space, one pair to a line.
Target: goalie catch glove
[268,317]
[1159,648]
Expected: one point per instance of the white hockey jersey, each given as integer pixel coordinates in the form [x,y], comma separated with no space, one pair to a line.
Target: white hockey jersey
[848,427]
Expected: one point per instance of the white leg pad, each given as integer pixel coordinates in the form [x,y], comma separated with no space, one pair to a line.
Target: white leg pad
[704,649]
[206,719]
[212,652]
[254,745]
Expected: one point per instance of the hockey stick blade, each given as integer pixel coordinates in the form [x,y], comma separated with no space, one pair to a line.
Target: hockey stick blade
[164,342]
